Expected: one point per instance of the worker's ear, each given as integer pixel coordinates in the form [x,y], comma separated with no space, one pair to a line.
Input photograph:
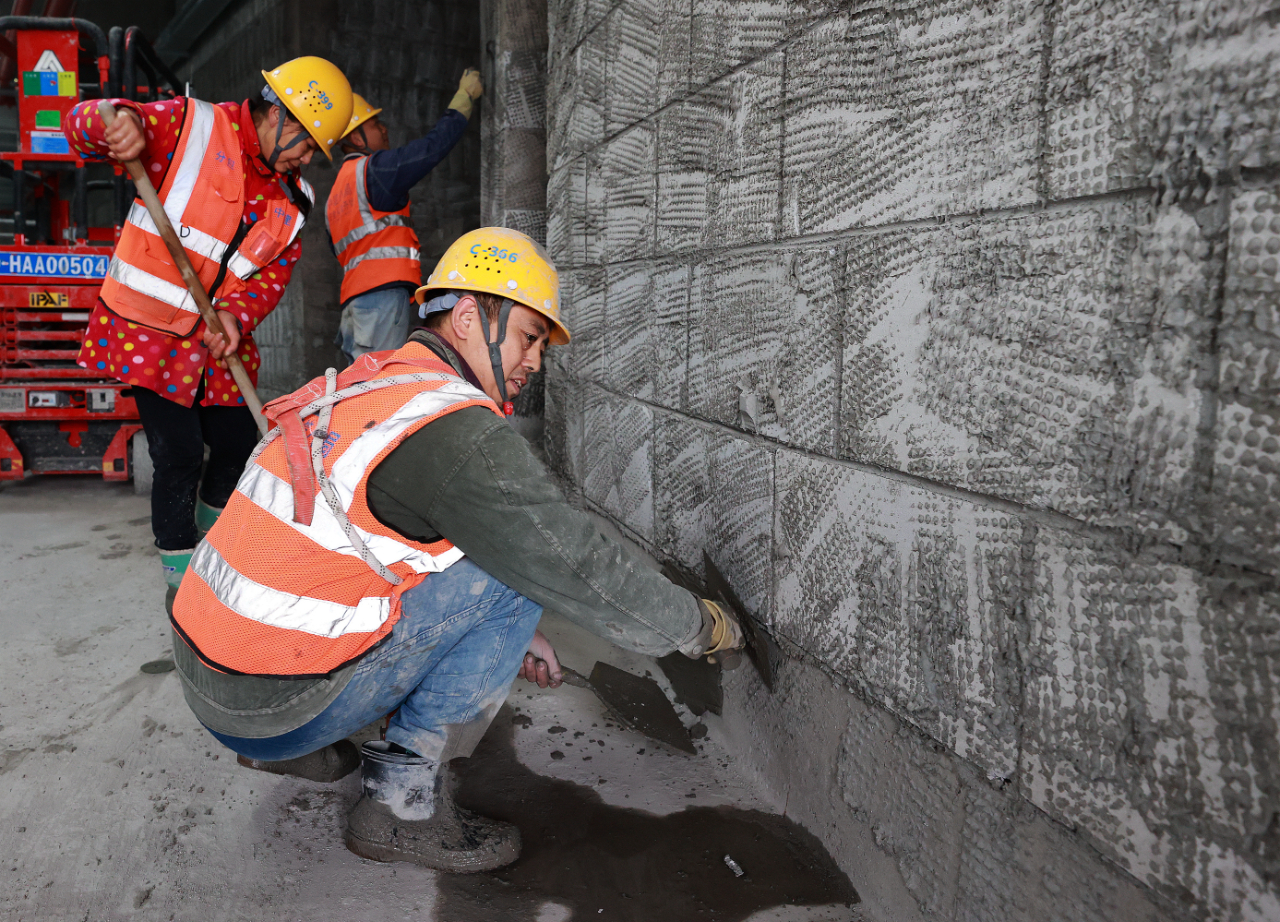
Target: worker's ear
[464,318]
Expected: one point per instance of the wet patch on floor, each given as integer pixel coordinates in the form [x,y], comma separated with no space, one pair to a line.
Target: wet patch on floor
[605,862]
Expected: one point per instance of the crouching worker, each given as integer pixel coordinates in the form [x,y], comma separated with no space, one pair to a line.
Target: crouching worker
[389,551]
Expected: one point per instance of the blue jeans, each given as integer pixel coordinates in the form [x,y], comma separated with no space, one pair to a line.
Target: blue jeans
[447,667]
[375,321]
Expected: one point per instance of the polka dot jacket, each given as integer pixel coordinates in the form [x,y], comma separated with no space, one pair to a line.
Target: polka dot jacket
[173,366]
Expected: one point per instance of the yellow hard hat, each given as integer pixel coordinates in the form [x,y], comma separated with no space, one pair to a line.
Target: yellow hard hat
[502,262]
[361,112]
[317,94]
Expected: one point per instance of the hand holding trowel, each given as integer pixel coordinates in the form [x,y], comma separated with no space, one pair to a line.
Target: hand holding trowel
[639,702]
[760,648]
[634,701]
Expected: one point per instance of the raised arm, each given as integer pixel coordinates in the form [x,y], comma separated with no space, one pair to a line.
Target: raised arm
[148,132]
[391,174]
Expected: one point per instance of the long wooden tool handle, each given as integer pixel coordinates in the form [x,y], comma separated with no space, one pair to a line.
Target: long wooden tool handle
[148,194]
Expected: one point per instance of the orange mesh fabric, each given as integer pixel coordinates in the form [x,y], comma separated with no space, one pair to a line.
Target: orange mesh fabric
[260,549]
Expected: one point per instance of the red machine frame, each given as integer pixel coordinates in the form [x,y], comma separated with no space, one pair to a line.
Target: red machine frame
[56,417]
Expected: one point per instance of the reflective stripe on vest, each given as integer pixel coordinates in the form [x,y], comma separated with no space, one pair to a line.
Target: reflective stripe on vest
[274,608]
[267,595]
[374,247]
[142,283]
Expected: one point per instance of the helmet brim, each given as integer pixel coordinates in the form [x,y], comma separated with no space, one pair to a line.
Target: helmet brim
[560,335]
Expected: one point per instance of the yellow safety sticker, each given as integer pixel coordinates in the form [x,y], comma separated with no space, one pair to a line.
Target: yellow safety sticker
[47,299]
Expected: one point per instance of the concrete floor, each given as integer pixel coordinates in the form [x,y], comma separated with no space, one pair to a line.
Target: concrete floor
[115,804]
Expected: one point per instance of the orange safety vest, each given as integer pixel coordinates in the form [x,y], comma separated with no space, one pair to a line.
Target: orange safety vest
[203,195]
[297,577]
[374,247]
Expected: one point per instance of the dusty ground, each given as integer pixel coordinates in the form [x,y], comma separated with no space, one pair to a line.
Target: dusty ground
[115,804]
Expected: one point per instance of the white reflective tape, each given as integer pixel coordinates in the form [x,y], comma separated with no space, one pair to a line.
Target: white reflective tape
[241,266]
[384,253]
[350,467]
[187,170]
[153,287]
[192,239]
[274,608]
[275,497]
[362,198]
[364,230]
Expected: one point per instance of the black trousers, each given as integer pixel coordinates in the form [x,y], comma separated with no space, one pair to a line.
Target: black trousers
[176,436]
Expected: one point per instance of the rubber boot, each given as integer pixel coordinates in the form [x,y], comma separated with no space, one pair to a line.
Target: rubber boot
[323,765]
[407,813]
[174,564]
[206,515]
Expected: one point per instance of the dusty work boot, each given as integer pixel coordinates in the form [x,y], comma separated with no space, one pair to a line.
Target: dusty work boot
[323,765]
[174,564]
[206,515]
[407,813]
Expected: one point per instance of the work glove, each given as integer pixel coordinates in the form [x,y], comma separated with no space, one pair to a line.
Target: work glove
[469,89]
[721,636]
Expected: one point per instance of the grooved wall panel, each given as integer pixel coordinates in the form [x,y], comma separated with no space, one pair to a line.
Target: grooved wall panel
[727,33]
[1150,91]
[617,459]
[763,344]
[565,415]
[714,492]
[629,185]
[949,328]
[582,292]
[719,162]
[910,594]
[1246,494]
[1049,359]
[911,110]
[567,212]
[648,60]
[1145,678]
[576,101]
[570,23]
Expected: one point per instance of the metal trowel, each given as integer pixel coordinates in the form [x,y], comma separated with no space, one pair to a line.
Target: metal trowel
[635,702]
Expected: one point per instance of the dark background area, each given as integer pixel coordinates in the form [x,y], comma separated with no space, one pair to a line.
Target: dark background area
[405,57]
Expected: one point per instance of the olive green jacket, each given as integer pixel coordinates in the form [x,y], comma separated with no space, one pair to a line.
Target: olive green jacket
[472,479]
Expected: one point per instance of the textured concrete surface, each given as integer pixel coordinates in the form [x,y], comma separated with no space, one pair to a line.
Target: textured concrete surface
[949,329]
[513,135]
[116,804]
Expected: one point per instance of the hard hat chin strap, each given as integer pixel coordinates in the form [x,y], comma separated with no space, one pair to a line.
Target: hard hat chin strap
[280,149]
[495,349]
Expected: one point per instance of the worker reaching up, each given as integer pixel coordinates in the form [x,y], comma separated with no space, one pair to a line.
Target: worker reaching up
[370,229]
[390,549]
[228,177]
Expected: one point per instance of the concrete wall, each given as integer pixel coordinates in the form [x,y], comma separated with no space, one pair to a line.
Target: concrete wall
[949,328]
[405,57]
[513,136]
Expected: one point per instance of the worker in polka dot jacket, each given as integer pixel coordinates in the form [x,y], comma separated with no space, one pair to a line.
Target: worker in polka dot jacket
[142,331]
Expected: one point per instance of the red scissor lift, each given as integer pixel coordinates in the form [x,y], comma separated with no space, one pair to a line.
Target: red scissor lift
[56,417]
